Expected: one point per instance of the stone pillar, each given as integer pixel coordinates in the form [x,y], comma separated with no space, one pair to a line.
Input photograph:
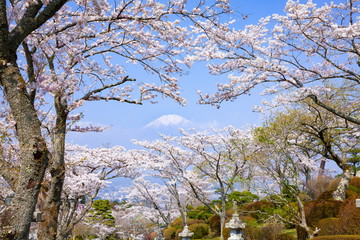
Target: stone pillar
[357,203]
[236,226]
[186,234]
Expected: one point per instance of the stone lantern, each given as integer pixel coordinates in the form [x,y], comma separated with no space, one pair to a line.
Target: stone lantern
[186,234]
[235,225]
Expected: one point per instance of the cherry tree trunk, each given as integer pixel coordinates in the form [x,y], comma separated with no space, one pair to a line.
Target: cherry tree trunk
[222,226]
[33,150]
[51,206]
[340,192]
[302,219]
[222,216]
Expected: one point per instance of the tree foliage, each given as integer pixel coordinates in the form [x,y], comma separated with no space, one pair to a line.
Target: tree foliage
[55,55]
[300,54]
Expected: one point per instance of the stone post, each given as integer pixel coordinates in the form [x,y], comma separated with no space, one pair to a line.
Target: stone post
[186,234]
[357,203]
[235,225]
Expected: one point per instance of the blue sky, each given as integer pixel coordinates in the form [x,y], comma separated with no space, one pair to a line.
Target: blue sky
[127,121]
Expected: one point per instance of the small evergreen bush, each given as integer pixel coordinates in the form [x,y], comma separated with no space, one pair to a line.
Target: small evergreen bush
[199,229]
[329,226]
[354,189]
[214,223]
[321,209]
[355,181]
[327,195]
[349,217]
[170,233]
[194,221]
[338,237]
[269,232]
[177,223]
[259,209]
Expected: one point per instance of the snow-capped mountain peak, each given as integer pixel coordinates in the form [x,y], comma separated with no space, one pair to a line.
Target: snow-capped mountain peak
[168,120]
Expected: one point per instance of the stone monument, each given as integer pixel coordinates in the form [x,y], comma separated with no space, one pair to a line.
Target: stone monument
[235,225]
[186,234]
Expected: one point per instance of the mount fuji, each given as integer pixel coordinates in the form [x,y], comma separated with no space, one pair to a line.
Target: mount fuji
[170,120]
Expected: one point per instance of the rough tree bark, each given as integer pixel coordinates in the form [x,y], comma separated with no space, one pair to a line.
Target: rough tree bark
[34,154]
[51,206]
[340,192]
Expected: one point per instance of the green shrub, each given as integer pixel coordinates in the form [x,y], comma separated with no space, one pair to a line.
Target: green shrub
[351,194]
[269,232]
[304,197]
[177,223]
[250,232]
[200,212]
[242,197]
[349,217]
[192,214]
[321,209]
[338,237]
[199,229]
[285,236]
[194,221]
[259,209]
[250,221]
[328,226]
[170,233]
[189,207]
[101,213]
[354,189]
[355,181]
[214,223]
[328,195]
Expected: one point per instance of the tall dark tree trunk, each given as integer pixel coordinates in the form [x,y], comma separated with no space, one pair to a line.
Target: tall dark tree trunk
[34,155]
[51,207]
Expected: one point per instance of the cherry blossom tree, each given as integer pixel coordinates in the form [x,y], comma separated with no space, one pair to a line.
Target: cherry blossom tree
[209,165]
[154,199]
[131,221]
[281,172]
[61,52]
[223,158]
[166,161]
[295,143]
[321,135]
[88,171]
[301,54]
